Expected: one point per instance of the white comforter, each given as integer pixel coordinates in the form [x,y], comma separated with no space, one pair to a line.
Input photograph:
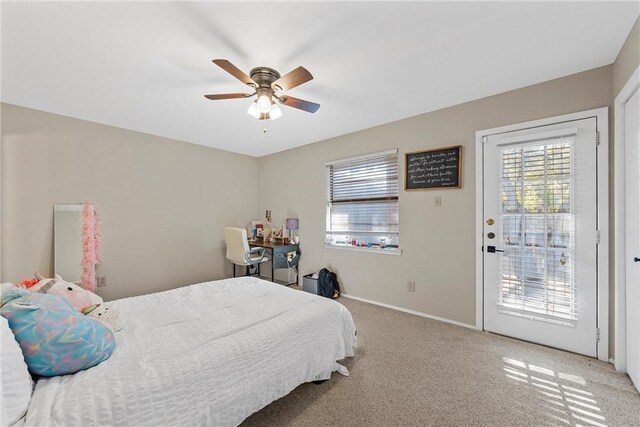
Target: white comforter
[207,354]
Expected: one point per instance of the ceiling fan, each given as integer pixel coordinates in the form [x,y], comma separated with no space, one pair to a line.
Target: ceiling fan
[266,83]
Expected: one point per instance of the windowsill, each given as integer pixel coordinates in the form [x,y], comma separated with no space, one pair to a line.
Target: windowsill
[385,251]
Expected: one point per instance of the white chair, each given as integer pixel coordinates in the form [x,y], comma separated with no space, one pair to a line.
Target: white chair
[239,253]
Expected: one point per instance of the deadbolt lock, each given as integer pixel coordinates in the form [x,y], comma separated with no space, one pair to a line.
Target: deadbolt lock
[490,221]
[491,235]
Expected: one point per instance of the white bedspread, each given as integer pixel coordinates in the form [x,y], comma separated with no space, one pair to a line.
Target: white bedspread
[207,354]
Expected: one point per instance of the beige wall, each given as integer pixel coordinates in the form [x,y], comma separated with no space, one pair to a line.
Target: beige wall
[438,243]
[163,203]
[628,59]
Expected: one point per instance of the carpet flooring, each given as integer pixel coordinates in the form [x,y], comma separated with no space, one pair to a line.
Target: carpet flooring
[411,371]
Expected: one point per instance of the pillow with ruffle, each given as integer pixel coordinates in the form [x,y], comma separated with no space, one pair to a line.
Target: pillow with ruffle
[54,337]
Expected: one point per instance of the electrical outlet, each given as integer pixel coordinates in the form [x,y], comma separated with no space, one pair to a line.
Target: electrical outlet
[411,285]
[101,281]
[437,201]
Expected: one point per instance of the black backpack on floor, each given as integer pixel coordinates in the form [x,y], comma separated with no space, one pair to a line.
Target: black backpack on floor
[328,285]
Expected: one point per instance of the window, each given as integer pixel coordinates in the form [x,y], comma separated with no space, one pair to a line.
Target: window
[362,200]
[538,228]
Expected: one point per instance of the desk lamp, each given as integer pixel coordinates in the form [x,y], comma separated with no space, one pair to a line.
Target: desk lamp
[292,225]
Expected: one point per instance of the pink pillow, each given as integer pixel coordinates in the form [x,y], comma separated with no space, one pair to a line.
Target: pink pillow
[78,297]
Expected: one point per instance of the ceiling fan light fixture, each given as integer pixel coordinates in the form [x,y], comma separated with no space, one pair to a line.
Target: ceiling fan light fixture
[275,112]
[253,110]
[265,81]
[264,103]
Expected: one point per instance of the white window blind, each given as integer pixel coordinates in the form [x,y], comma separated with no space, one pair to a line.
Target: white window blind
[538,229]
[362,199]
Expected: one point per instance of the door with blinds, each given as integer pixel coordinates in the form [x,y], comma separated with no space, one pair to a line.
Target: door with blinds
[540,238]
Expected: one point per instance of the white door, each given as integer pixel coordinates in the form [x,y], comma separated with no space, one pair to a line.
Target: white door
[540,237]
[632,184]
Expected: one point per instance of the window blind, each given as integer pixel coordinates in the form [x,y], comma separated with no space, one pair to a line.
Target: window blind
[362,199]
[538,229]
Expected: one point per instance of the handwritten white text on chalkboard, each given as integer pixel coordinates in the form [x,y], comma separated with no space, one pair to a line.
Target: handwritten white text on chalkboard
[433,169]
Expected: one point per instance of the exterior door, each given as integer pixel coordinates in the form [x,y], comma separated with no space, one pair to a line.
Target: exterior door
[632,213]
[540,237]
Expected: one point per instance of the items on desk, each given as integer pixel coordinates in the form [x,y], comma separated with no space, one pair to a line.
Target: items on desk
[292,226]
[267,233]
[254,228]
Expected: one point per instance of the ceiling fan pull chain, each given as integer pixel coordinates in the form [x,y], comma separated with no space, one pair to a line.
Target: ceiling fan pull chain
[265,125]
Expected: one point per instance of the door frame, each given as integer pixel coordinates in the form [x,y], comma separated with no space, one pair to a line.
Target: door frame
[602,122]
[620,287]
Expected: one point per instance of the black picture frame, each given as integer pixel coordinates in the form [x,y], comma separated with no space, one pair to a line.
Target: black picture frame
[434,169]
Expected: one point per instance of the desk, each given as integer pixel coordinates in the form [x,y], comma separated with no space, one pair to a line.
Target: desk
[278,251]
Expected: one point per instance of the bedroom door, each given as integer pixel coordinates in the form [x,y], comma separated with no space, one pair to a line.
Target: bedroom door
[540,235]
[632,232]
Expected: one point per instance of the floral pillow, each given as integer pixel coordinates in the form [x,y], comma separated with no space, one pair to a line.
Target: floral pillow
[55,338]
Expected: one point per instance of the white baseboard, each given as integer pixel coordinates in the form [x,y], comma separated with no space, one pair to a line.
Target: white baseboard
[414,312]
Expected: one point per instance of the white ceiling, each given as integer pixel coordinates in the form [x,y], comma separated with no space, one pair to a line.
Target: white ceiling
[146,66]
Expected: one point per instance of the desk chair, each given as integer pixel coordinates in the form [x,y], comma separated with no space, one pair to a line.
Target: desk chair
[239,253]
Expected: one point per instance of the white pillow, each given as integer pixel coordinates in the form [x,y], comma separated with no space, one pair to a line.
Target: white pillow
[16,385]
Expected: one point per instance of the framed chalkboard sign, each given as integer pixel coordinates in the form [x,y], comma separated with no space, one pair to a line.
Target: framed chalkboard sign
[433,169]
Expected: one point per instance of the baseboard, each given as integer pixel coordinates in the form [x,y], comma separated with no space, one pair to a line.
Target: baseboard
[414,312]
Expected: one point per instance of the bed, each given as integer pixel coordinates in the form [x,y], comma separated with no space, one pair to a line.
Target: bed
[206,354]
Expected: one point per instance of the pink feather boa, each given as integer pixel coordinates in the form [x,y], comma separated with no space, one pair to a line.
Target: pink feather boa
[91,245]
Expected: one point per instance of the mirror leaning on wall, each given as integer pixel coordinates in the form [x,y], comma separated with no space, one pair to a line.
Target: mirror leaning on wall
[77,243]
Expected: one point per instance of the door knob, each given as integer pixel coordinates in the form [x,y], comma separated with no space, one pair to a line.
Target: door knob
[636,259]
[493,250]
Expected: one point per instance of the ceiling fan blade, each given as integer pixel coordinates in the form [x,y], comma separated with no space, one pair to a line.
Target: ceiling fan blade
[227,96]
[234,71]
[292,79]
[300,104]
